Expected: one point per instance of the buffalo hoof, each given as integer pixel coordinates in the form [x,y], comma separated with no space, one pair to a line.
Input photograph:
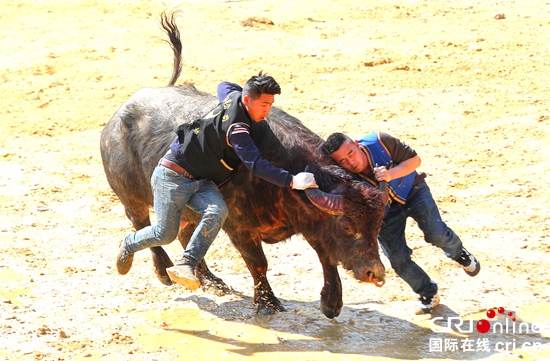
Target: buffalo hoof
[161,261]
[268,311]
[329,312]
[211,282]
[218,287]
[163,277]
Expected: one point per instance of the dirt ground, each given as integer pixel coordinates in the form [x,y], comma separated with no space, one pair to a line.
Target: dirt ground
[468,89]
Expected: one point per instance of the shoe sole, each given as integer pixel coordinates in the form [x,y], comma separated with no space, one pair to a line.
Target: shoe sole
[425,311]
[476,271]
[188,283]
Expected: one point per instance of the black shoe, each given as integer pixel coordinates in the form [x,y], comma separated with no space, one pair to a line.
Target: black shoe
[124,259]
[427,304]
[469,263]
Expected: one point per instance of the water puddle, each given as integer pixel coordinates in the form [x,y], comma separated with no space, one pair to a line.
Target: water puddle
[234,332]
[8,277]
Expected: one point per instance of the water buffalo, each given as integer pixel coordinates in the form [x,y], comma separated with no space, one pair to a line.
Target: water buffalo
[340,220]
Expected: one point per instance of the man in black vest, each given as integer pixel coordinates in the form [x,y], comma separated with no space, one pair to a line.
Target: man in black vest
[202,156]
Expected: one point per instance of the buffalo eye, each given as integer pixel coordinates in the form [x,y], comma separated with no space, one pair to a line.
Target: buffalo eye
[347,227]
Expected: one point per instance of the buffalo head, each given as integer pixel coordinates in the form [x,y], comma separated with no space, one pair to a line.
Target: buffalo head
[358,208]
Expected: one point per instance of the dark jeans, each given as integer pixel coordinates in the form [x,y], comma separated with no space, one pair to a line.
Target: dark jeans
[421,207]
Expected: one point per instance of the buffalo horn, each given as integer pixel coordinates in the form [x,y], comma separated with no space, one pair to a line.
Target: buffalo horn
[384,190]
[329,203]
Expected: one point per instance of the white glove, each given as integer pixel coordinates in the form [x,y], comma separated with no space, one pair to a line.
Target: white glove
[303,181]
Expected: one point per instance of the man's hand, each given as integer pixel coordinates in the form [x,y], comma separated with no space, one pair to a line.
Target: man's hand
[303,181]
[382,174]
[402,169]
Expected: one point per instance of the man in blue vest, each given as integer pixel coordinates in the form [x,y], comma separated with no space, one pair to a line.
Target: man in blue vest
[380,157]
[204,154]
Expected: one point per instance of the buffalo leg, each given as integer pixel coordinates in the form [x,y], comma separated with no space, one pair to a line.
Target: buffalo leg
[161,262]
[202,272]
[264,298]
[331,294]
[138,214]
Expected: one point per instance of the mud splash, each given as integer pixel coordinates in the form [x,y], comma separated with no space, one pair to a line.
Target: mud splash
[303,334]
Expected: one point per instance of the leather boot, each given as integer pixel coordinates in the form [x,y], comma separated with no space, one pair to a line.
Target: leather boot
[124,259]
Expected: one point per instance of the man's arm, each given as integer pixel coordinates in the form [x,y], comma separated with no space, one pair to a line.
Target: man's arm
[252,158]
[402,169]
[225,88]
[406,159]
[399,150]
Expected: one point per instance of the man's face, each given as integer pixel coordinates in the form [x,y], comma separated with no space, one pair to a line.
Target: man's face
[259,109]
[351,157]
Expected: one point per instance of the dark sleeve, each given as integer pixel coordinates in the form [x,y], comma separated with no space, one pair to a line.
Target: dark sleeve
[399,151]
[249,154]
[225,88]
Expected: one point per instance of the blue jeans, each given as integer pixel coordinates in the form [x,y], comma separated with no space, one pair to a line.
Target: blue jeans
[172,192]
[421,207]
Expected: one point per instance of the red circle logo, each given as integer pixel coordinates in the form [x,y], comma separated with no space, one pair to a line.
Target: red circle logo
[483,326]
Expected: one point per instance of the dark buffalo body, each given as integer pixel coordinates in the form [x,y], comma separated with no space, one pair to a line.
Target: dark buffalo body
[341,226]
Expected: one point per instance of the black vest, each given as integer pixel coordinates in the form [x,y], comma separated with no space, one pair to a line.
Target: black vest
[204,143]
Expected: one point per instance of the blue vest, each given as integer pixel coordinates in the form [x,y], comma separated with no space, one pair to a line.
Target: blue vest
[378,154]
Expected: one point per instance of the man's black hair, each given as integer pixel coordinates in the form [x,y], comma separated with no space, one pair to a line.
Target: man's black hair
[334,142]
[261,84]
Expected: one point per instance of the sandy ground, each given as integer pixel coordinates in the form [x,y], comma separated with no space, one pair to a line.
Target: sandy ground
[468,91]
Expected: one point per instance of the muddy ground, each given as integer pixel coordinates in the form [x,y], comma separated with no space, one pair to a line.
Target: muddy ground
[464,86]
